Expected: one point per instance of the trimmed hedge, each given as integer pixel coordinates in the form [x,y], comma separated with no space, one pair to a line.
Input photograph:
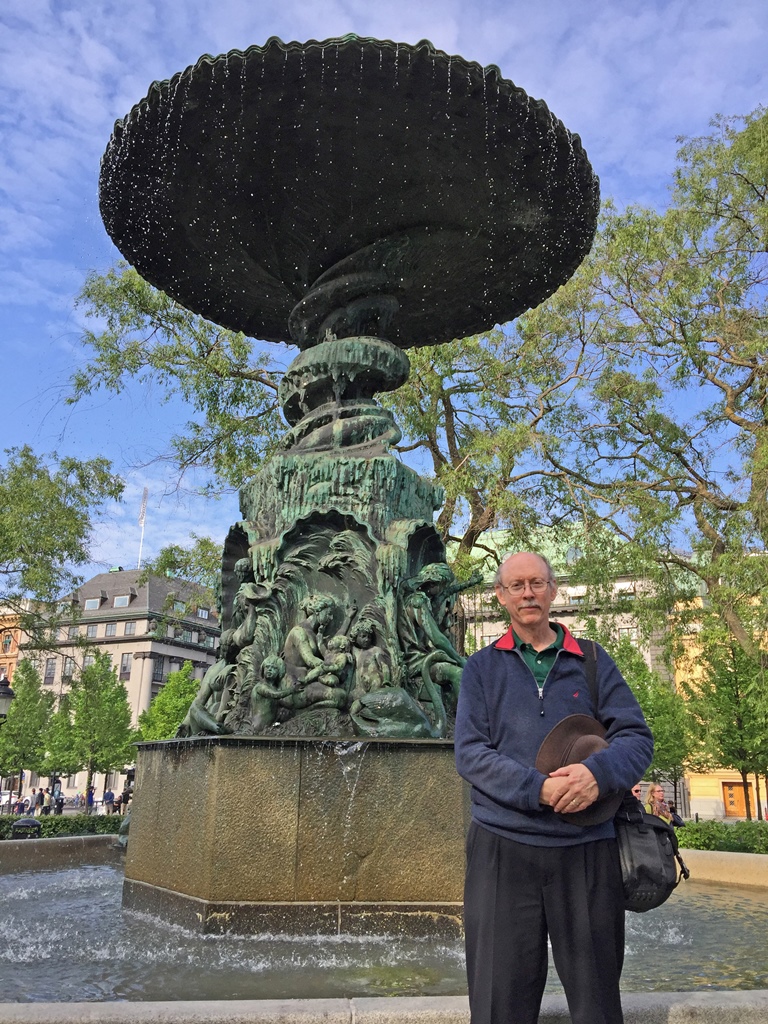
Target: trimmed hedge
[730,837]
[52,825]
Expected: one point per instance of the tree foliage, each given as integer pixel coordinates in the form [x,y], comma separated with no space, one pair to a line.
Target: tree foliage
[198,563]
[224,377]
[22,736]
[62,756]
[49,509]
[101,735]
[167,711]
[671,448]
[725,690]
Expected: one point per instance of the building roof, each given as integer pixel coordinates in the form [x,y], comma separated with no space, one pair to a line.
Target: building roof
[147,595]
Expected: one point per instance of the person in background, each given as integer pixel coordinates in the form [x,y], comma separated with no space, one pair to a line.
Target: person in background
[677,821]
[637,790]
[109,801]
[47,799]
[656,804]
[89,800]
[39,801]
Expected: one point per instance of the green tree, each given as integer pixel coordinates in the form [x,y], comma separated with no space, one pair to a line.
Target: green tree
[102,736]
[225,378]
[671,446]
[725,698]
[22,737]
[168,709]
[199,563]
[61,754]
[49,508]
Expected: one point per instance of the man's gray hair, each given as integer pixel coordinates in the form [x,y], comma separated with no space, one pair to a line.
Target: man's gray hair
[550,571]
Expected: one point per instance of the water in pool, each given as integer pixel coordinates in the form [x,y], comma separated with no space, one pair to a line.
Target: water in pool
[65,937]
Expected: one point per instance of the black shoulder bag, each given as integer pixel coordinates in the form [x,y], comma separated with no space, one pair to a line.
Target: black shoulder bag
[647,844]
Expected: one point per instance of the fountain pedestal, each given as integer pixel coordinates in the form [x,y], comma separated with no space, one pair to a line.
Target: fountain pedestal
[252,835]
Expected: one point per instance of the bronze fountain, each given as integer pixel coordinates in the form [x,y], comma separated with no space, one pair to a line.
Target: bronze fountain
[356,198]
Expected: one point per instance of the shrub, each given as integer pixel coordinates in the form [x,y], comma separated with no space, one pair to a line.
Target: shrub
[730,837]
[53,825]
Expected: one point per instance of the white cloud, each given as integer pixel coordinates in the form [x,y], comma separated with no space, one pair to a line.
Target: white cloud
[628,78]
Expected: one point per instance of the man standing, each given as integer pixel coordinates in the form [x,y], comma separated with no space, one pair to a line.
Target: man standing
[109,801]
[531,871]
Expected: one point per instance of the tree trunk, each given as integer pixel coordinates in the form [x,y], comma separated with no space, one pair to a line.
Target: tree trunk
[747,801]
[758,797]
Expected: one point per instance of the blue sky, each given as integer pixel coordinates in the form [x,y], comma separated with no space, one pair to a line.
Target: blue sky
[629,78]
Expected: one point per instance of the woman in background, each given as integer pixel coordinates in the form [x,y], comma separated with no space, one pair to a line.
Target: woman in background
[656,804]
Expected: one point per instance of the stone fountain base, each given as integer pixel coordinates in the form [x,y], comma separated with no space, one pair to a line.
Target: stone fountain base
[254,834]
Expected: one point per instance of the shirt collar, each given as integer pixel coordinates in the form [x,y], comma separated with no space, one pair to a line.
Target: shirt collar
[556,644]
[507,642]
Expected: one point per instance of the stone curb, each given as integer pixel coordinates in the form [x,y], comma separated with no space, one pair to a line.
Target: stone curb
[639,1008]
[720,868]
[17,855]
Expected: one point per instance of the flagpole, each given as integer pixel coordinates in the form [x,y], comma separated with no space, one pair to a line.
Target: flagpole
[142,519]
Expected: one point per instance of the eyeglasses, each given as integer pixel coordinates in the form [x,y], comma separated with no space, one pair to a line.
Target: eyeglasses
[518,586]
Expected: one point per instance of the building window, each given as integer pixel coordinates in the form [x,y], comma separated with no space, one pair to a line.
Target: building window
[50,671]
[125,666]
[130,629]
[186,636]
[90,631]
[121,601]
[69,668]
[73,632]
[110,629]
[92,604]
[202,613]
[88,660]
[71,781]
[209,641]
[157,670]
[7,641]
[179,606]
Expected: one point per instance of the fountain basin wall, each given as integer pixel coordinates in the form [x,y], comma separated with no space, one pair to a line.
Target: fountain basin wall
[17,855]
[719,867]
[257,834]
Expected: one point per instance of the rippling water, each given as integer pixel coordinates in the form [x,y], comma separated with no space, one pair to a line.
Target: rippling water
[64,936]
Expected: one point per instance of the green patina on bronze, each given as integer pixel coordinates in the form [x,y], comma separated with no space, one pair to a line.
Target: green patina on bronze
[357,197]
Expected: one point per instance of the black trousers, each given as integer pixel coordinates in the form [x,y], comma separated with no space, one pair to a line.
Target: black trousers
[515,896]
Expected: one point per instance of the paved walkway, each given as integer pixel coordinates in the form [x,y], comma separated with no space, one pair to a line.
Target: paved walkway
[654,1008]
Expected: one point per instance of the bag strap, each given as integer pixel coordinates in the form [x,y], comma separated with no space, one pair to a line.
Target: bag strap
[589,650]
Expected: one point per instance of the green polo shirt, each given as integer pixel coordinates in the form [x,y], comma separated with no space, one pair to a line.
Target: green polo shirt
[540,662]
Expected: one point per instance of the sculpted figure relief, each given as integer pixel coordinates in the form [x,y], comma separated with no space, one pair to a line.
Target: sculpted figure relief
[327,684]
[207,710]
[429,654]
[361,678]
[267,693]
[373,665]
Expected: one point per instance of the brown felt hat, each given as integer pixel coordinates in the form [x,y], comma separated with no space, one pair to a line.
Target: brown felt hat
[571,741]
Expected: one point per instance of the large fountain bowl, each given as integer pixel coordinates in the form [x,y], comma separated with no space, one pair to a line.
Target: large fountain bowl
[352,185]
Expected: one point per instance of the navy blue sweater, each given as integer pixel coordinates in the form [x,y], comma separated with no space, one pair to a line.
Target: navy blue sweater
[502,719]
